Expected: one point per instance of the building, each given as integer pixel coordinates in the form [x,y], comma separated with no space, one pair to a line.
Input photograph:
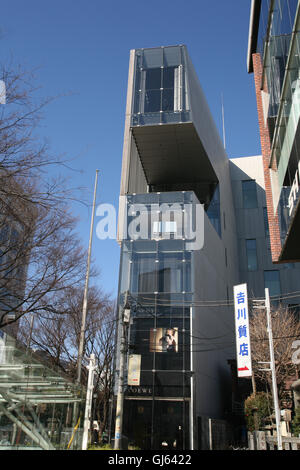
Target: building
[191,226]
[255,259]
[17,222]
[273,58]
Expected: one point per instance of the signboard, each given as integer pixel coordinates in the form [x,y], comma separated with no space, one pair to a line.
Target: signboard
[134,369]
[164,339]
[242,333]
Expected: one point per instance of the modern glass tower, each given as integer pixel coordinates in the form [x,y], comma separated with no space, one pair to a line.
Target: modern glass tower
[192,224]
[175,193]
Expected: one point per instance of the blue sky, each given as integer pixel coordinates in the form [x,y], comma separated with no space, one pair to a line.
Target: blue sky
[80,51]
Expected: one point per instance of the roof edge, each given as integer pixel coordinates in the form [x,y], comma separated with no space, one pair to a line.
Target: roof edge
[253,32]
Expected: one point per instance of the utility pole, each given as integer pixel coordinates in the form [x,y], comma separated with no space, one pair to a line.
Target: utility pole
[273,370]
[85,296]
[88,403]
[266,306]
[120,397]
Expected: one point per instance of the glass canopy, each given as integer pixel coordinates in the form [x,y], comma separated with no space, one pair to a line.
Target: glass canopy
[39,408]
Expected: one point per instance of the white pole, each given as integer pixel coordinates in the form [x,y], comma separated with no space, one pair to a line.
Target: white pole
[85,296]
[88,403]
[192,382]
[273,370]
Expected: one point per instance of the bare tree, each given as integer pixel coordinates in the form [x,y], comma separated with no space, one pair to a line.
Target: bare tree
[40,254]
[57,337]
[104,347]
[286,328]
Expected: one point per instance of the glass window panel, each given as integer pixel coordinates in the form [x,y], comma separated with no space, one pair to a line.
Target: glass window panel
[272,282]
[153,58]
[170,245]
[125,270]
[251,255]
[171,384]
[144,273]
[137,79]
[187,280]
[168,77]
[140,341]
[153,79]
[170,273]
[266,222]
[143,246]
[152,101]
[171,422]
[138,412]
[249,194]
[168,100]
[136,105]
[172,56]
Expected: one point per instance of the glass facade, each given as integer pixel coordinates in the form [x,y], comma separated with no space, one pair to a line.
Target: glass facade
[274,41]
[156,273]
[279,48]
[38,406]
[160,86]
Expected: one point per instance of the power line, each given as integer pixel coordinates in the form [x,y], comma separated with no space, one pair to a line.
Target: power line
[153,301]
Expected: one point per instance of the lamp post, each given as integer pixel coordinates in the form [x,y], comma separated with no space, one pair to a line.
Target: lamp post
[85,296]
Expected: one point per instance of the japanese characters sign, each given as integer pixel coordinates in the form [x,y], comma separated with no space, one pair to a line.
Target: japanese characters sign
[242,333]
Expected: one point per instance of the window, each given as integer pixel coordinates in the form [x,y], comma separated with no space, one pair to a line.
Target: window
[144,278]
[266,223]
[170,275]
[160,88]
[272,282]
[249,194]
[251,255]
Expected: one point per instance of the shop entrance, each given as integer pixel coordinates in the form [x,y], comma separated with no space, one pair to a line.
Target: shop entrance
[157,424]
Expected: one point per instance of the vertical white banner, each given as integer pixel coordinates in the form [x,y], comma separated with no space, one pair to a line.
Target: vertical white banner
[134,369]
[242,332]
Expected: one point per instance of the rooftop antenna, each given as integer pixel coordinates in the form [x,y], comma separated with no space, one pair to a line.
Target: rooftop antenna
[223,122]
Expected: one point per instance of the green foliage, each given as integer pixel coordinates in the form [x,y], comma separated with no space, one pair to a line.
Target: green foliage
[296,422]
[259,403]
[104,447]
